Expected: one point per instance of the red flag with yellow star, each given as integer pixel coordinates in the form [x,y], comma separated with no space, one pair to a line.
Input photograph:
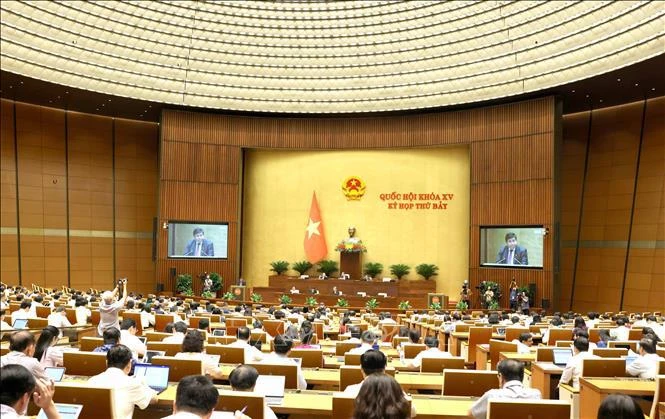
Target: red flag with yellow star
[315,241]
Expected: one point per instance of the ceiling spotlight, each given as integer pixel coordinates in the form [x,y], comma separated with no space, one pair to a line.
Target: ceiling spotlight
[109,100]
[20,82]
[587,96]
[67,92]
[653,88]
[618,79]
[573,90]
[97,109]
[637,84]
[601,100]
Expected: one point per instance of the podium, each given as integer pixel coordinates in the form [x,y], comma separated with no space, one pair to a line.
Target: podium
[238,292]
[351,263]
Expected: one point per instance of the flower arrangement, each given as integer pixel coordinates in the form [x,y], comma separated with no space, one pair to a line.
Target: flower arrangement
[461,305]
[372,303]
[228,296]
[285,299]
[350,247]
[256,298]
[490,293]
[207,294]
[435,306]
[310,301]
[404,305]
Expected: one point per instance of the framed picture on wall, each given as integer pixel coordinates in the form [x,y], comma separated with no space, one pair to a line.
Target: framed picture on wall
[238,292]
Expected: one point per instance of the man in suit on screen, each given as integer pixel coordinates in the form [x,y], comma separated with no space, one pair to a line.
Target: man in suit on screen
[199,246]
[511,253]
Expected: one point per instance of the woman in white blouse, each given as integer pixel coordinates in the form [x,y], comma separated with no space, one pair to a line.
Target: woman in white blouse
[83,313]
[45,351]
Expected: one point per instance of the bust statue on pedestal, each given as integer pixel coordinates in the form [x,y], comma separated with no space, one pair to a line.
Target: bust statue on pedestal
[350,258]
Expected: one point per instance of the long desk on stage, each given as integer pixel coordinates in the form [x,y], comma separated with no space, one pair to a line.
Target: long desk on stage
[414,291]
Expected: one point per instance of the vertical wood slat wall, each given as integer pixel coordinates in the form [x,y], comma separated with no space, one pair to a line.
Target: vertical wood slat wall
[512,173]
[79,177]
[614,255]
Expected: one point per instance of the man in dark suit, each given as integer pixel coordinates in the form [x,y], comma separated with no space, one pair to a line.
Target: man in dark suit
[199,246]
[511,253]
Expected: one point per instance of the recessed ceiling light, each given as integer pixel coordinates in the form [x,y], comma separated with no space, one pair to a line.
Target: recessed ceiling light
[637,84]
[20,82]
[618,79]
[587,95]
[97,109]
[573,91]
[109,100]
[653,88]
[601,100]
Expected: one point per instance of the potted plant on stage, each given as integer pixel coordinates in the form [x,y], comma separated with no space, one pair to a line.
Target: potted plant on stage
[217,283]
[327,267]
[372,269]
[400,270]
[302,267]
[256,298]
[279,267]
[285,299]
[184,285]
[461,306]
[207,294]
[228,296]
[490,294]
[310,301]
[371,304]
[427,270]
[435,306]
[404,305]
[342,302]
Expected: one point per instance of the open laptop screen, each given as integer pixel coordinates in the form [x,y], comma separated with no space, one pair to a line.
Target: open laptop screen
[271,387]
[67,411]
[155,376]
[20,324]
[147,358]
[55,373]
[561,355]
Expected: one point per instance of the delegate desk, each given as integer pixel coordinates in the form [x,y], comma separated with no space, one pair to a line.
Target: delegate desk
[594,390]
[526,358]
[482,356]
[545,377]
[310,402]
[456,339]
[329,378]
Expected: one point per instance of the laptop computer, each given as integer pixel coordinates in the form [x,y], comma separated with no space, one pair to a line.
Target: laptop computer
[155,376]
[501,330]
[219,332]
[66,411]
[143,339]
[213,359]
[271,387]
[561,356]
[147,358]
[20,324]
[55,373]
[623,345]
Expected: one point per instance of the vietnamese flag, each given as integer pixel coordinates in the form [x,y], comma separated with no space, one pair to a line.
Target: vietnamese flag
[315,241]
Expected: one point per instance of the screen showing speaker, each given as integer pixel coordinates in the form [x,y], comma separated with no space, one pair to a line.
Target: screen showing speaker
[512,246]
[198,240]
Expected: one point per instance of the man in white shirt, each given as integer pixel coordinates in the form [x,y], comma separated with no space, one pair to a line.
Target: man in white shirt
[196,398]
[83,313]
[281,357]
[659,329]
[109,308]
[4,326]
[179,330]
[22,347]
[387,319]
[243,378]
[128,338]
[368,338]
[556,322]
[18,386]
[573,369]
[432,351]
[251,353]
[58,318]
[23,312]
[128,391]
[524,342]
[646,365]
[620,332]
[511,374]
[36,302]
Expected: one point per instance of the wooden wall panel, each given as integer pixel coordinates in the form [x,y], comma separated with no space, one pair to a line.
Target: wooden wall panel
[136,177]
[90,141]
[66,184]
[620,248]
[42,185]
[512,167]
[645,277]
[9,271]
